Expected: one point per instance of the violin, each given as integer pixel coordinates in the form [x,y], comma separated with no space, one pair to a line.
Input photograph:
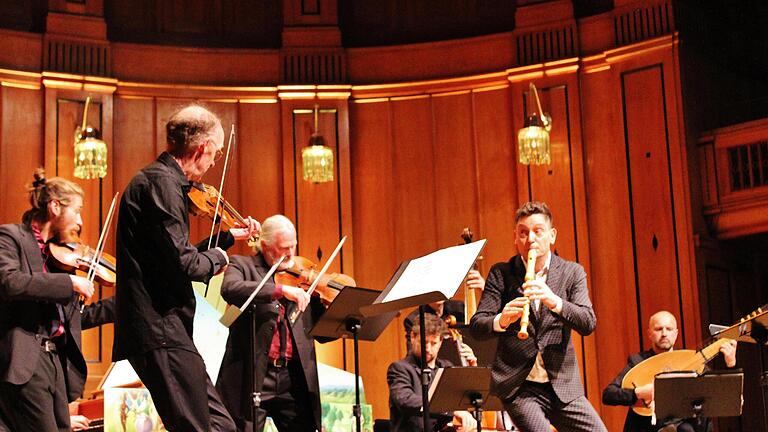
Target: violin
[72,256]
[302,273]
[204,198]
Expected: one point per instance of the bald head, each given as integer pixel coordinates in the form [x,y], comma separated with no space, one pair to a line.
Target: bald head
[662,331]
[189,127]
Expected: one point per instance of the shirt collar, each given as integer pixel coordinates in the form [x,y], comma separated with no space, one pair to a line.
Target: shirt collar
[166,159]
[38,236]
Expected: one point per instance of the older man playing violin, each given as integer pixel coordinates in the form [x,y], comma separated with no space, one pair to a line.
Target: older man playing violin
[156,265]
[284,363]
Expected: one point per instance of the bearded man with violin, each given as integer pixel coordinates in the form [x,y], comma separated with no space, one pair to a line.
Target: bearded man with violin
[662,332]
[41,365]
[283,360]
[156,264]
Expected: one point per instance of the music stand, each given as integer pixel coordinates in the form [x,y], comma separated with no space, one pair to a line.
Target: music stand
[343,319]
[682,395]
[753,329]
[430,278]
[463,389]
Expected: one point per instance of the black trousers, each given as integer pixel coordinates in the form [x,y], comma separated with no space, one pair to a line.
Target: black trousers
[536,405]
[182,392]
[41,403]
[284,397]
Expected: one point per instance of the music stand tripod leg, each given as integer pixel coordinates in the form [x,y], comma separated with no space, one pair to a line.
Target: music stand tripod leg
[477,403]
[425,372]
[353,325]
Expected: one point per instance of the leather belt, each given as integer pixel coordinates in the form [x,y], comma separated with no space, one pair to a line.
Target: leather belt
[48,345]
[279,362]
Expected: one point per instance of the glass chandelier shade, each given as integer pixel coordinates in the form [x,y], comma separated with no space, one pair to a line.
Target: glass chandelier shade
[317,158]
[90,150]
[533,140]
[533,143]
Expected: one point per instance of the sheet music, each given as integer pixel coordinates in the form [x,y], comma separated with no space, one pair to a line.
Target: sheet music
[441,271]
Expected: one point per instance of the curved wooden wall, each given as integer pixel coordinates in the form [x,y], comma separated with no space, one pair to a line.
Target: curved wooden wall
[425,145]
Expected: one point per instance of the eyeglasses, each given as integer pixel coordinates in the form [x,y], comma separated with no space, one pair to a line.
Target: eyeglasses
[219,153]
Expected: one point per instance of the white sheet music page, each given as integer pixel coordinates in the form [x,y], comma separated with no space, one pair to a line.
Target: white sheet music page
[441,271]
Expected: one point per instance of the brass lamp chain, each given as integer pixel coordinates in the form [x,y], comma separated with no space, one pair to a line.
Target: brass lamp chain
[85,114]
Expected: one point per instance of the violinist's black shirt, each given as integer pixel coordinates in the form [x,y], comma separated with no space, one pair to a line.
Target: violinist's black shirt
[156,264]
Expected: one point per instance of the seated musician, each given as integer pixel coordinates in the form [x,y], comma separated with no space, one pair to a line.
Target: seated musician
[662,332]
[444,309]
[403,377]
[285,365]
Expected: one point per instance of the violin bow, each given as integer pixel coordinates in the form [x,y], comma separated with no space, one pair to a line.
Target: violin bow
[296,312]
[218,201]
[99,247]
[221,191]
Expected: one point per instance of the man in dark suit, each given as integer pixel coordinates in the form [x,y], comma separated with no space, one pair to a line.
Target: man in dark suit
[41,366]
[404,377]
[156,264]
[285,367]
[662,332]
[538,378]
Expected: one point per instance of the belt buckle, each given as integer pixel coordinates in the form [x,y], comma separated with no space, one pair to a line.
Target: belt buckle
[279,362]
[48,345]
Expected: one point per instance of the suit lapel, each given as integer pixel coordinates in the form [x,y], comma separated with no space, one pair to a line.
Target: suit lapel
[31,250]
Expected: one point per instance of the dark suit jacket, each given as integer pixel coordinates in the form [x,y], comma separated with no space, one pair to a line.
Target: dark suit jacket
[156,264]
[234,383]
[613,394]
[404,379]
[549,333]
[27,307]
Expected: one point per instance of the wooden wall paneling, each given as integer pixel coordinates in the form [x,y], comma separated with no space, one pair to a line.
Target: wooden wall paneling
[681,192]
[496,167]
[653,220]
[610,238]
[21,147]
[414,172]
[134,138]
[259,154]
[455,178]
[316,208]
[373,198]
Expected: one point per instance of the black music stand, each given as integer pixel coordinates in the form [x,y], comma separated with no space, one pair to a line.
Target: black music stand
[753,329]
[343,319]
[463,389]
[431,278]
[685,395]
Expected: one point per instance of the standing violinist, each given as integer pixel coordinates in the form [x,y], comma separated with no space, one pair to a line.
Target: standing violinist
[41,365]
[285,366]
[156,265]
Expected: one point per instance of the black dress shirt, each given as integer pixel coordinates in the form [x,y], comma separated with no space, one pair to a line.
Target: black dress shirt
[156,263]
